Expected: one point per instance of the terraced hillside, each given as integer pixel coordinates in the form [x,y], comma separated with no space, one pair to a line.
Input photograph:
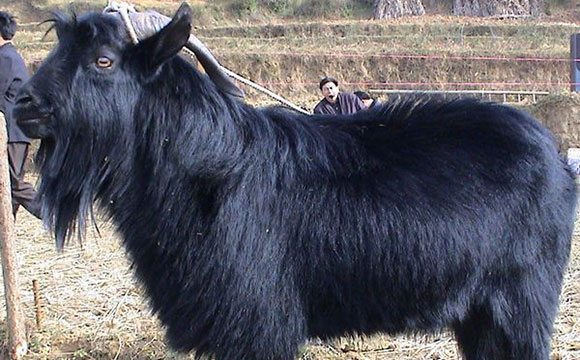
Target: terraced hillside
[434,52]
[440,55]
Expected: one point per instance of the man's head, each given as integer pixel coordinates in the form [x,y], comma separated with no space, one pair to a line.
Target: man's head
[329,88]
[7,26]
[365,98]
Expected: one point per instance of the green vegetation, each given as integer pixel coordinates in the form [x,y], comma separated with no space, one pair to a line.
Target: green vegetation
[249,10]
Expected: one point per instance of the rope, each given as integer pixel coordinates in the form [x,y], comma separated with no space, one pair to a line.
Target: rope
[264,90]
[252,84]
[124,8]
[127,21]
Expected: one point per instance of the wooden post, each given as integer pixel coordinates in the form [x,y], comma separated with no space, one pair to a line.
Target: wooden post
[17,344]
[37,305]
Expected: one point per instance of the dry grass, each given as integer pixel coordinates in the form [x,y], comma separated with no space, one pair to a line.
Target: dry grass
[93,308]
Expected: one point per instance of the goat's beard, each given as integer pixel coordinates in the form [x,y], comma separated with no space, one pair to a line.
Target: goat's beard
[64,192]
[75,171]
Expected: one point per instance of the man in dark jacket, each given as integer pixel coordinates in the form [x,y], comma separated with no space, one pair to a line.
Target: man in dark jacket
[13,74]
[336,102]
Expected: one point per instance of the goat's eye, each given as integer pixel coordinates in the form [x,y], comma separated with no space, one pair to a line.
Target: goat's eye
[103,62]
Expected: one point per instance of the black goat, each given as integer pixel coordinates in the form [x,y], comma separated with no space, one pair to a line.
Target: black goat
[254,230]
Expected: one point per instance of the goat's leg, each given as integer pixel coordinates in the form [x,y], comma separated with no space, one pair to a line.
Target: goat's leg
[511,325]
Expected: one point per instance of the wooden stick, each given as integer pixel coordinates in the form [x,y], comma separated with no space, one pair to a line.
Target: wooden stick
[17,344]
[37,307]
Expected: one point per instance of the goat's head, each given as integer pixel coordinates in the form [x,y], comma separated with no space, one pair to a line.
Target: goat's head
[92,60]
[82,102]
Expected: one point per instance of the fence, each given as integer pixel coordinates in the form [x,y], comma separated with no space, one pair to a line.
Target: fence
[496,95]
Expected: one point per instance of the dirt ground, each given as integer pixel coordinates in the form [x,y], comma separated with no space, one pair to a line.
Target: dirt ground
[92,308]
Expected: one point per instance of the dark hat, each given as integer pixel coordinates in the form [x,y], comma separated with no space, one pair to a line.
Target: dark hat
[362,95]
[327,80]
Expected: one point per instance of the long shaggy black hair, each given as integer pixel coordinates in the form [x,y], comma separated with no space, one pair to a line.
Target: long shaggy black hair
[255,229]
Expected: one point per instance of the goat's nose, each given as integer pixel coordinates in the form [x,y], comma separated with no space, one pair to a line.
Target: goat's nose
[24,96]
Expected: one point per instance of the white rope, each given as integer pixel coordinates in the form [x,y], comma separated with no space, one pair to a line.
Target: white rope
[255,86]
[264,90]
[124,8]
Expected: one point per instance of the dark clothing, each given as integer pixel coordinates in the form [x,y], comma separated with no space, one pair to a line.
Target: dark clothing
[23,193]
[373,104]
[13,73]
[346,103]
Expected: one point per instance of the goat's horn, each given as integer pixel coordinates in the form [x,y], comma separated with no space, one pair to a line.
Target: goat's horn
[212,67]
[148,23]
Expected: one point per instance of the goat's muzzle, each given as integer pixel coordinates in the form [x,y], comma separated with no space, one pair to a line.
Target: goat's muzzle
[31,117]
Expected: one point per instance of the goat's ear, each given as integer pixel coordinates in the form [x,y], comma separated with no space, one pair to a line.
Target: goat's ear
[169,40]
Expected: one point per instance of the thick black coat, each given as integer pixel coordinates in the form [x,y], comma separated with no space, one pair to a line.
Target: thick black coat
[254,230]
